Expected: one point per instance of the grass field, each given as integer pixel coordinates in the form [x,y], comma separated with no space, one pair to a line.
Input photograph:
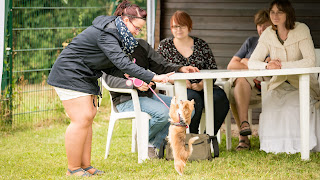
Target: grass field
[39,153]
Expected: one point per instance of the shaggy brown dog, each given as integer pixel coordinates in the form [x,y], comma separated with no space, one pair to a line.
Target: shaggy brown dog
[180,115]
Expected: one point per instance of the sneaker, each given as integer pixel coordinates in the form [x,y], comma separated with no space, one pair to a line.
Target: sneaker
[153,153]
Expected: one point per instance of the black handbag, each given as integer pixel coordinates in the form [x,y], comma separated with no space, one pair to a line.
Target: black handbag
[201,148]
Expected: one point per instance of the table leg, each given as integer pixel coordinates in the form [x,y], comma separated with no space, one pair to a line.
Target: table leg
[304,94]
[180,90]
[208,104]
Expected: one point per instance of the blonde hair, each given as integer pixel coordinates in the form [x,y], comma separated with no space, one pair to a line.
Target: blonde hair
[261,17]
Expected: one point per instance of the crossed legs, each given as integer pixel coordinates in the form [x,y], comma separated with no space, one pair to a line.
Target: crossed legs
[78,137]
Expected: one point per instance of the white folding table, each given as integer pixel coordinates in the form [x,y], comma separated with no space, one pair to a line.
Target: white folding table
[209,75]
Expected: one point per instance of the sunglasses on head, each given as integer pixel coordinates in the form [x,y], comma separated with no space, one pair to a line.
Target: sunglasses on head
[143,18]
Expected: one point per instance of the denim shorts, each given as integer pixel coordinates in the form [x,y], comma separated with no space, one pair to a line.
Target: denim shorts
[67,94]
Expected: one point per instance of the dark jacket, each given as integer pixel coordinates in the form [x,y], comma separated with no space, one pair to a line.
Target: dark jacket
[98,48]
[147,58]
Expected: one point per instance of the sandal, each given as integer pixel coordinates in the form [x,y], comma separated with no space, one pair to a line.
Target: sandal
[85,173]
[246,146]
[96,172]
[246,130]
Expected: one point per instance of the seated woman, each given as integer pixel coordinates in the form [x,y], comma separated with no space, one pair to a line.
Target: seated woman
[186,50]
[145,56]
[289,45]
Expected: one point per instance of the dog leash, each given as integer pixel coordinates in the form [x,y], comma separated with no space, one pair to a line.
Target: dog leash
[158,96]
[181,123]
[138,83]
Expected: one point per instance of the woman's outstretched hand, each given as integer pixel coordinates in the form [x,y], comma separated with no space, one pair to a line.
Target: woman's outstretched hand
[163,78]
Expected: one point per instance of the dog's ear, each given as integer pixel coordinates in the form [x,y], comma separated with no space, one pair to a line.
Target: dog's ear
[173,100]
[192,101]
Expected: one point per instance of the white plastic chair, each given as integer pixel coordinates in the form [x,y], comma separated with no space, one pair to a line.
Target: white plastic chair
[140,124]
[168,88]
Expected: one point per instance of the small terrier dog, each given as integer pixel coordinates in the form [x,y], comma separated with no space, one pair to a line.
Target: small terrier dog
[180,115]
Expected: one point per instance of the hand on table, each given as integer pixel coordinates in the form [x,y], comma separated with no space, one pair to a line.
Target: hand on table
[274,64]
[188,69]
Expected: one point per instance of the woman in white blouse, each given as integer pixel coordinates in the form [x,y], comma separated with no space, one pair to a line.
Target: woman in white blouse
[289,45]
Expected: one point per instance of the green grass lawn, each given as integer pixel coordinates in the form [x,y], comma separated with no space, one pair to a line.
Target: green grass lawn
[39,154]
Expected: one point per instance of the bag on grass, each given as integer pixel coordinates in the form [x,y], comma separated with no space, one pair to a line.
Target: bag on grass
[201,147]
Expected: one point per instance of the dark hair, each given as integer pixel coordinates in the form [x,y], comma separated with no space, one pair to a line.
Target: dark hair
[181,18]
[261,17]
[130,10]
[286,7]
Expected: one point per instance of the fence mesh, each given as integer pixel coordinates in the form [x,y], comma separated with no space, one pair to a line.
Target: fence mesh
[40,29]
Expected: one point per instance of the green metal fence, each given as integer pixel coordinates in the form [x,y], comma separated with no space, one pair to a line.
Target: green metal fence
[37,32]
[6,89]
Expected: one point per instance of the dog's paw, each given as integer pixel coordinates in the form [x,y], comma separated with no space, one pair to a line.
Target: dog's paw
[173,100]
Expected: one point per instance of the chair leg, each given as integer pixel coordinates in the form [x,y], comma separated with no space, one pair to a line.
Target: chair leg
[228,130]
[134,147]
[110,131]
[219,136]
[227,88]
[202,125]
[250,119]
[143,137]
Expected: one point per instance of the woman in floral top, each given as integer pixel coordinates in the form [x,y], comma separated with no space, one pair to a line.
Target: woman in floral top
[186,50]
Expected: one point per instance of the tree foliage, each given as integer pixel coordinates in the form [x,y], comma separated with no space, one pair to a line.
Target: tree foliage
[42,27]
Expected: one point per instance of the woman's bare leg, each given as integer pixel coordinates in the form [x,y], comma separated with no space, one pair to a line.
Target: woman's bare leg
[86,156]
[81,112]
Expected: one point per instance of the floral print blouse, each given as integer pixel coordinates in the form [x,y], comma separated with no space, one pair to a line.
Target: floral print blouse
[202,56]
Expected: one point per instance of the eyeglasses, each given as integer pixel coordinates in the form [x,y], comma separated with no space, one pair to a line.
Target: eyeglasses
[137,29]
[175,27]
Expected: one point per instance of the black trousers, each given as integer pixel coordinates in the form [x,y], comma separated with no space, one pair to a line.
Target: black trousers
[221,108]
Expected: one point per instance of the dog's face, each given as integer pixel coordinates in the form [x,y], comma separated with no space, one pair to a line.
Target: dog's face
[185,110]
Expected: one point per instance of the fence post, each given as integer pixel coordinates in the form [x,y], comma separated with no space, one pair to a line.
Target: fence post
[7,103]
